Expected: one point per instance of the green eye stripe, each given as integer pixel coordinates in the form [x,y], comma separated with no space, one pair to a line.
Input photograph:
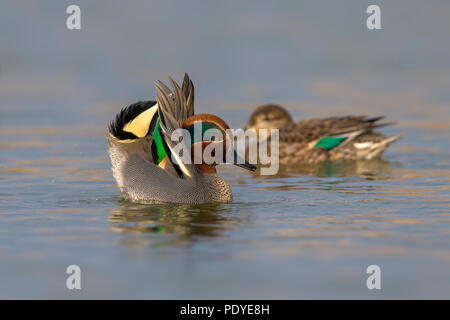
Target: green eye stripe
[205,126]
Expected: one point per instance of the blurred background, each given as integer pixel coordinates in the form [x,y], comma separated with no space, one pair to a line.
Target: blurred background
[306,234]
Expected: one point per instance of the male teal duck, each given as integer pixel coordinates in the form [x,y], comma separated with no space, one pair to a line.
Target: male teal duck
[316,140]
[144,163]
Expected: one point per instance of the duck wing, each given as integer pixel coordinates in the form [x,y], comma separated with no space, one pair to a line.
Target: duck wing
[139,126]
[331,132]
[174,108]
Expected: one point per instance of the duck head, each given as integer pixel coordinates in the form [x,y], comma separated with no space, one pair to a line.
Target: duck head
[269,116]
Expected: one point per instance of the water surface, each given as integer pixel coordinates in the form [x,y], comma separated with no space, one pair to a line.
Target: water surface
[308,232]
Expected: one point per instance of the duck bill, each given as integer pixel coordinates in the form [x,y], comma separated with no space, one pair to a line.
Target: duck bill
[242,163]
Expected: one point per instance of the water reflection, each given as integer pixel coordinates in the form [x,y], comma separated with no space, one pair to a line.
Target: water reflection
[186,221]
[376,169]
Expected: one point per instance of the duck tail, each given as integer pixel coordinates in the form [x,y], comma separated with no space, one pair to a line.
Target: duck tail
[377,149]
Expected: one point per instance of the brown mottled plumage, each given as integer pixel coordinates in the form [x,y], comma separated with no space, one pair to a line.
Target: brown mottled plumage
[298,140]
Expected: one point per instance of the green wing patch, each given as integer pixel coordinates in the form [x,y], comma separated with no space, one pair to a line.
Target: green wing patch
[329,143]
[159,142]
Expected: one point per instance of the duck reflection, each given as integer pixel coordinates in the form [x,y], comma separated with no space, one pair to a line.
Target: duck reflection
[186,221]
[376,169]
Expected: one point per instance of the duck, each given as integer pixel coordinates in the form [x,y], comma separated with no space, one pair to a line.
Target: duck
[313,141]
[144,161]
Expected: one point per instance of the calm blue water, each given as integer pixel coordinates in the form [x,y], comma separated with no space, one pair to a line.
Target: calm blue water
[309,232]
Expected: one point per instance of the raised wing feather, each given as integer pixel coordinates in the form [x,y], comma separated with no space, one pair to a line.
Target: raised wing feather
[174,108]
[188,90]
